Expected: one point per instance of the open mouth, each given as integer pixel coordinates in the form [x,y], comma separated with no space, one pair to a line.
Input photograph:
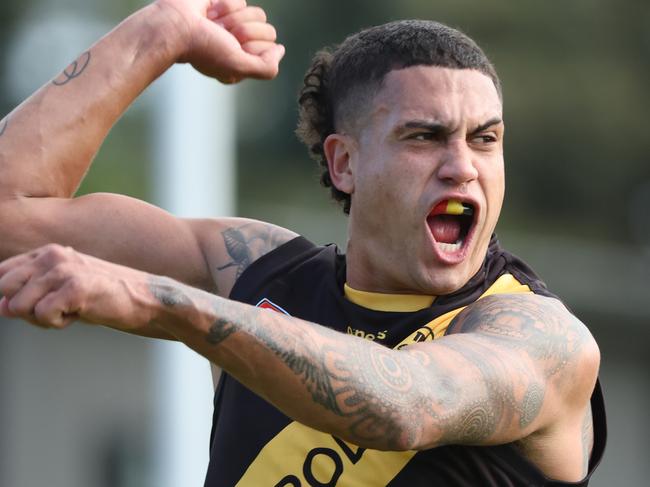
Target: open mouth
[451,222]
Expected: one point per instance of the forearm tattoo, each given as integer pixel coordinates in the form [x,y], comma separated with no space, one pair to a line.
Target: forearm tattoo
[219,331]
[74,70]
[249,242]
[167,293]
[387,398]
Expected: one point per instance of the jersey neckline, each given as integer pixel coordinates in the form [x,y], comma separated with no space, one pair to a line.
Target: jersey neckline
[401,303]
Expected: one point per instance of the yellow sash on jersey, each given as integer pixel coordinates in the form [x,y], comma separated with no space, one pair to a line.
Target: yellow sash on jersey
[299,456]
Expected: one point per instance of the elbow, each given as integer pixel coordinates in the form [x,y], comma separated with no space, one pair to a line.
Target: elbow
[381,431]
[407,430]
[588,366]
[418,432]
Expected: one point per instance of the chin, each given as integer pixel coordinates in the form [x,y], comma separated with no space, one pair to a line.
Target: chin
[441,285]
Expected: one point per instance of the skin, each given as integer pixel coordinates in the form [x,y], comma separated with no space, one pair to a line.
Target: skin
[517,362]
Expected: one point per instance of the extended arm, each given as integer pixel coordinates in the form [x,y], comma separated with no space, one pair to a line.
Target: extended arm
[518,363]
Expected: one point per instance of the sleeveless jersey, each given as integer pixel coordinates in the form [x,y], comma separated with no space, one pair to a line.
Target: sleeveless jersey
[253,444]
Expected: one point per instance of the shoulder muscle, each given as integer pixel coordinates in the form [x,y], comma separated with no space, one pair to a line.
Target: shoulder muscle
[559,345]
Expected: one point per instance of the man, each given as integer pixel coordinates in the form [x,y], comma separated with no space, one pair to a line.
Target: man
[479,376]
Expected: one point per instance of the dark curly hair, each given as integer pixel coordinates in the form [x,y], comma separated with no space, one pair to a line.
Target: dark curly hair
[342,77]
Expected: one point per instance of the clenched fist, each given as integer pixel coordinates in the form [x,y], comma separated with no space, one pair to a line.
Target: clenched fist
[54,285]
[225,39]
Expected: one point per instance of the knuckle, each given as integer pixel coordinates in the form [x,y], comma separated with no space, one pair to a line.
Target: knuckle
[271,71]
[6,288]
[45,314]
[40,314]
[59,272]
[53,249]
[240,31]
[74,286]
[231,5]
[259,12]
[19,307]
[53,253]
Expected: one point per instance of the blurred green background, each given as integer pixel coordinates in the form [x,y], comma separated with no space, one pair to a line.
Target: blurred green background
[575,76]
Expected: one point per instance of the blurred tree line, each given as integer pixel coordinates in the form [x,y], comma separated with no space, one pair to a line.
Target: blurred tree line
[575,76]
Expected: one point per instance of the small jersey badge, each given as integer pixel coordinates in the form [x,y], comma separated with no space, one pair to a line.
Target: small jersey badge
[268,304]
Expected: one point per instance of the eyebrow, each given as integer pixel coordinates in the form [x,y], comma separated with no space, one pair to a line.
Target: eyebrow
[440,128]
[486,125]
[433,127]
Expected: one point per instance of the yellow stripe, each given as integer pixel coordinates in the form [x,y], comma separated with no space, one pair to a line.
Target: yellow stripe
[454,207]
[387,302]
[292,453]
[506,284]
[299,451]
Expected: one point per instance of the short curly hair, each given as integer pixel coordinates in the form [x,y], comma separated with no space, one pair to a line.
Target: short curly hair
[342,77]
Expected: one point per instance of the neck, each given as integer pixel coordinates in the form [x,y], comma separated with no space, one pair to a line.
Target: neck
[363,275]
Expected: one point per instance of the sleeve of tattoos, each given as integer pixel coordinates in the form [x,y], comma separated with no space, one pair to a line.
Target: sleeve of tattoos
[518,362]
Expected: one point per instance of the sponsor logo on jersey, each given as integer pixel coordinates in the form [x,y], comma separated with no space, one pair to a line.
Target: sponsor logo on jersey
[379,336]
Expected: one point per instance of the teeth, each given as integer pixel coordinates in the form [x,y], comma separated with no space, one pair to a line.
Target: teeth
[450,248]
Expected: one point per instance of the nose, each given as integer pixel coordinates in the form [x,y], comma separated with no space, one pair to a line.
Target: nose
[457,165]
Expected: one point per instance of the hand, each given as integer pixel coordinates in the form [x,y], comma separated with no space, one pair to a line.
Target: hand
[226,39]
[52,286]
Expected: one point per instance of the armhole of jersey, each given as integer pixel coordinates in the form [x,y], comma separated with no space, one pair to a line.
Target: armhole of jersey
[526,275]
[269,264]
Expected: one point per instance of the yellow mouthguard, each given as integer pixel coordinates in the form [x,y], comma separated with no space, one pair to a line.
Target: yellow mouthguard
[455,207]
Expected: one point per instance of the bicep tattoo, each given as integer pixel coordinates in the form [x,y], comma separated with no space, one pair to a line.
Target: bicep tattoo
[74,70]
[539,327]
[247,243]
[238,249]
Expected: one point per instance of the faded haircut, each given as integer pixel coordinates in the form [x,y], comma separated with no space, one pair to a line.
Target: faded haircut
[342,80]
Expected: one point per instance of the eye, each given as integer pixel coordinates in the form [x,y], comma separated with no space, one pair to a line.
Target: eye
[422,136]
[485,139]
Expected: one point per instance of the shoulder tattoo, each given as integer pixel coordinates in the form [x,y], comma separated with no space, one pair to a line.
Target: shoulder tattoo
[541,327]
[248,242]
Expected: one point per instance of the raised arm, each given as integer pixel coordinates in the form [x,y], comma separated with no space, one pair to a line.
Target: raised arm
[47,144]
[522,366]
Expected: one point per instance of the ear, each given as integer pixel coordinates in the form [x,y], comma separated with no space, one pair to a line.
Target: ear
[340,151]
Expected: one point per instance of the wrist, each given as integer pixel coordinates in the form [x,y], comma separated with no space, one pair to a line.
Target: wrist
[171,29]
[177,309]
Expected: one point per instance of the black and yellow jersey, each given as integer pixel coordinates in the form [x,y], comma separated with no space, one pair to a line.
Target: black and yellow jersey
[253,444]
